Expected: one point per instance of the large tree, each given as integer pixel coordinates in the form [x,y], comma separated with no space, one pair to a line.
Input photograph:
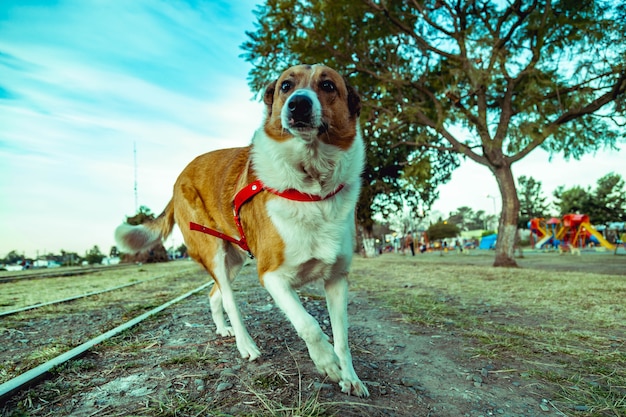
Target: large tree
[488,80]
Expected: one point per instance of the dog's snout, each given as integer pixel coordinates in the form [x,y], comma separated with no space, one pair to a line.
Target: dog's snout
[300,107]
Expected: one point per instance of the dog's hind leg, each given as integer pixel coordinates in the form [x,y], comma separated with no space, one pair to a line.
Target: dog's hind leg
[217,312]
[222,299]
[233,264]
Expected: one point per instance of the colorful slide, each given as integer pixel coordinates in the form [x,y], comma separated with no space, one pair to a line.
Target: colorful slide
[543,232]
[543,241]
[589,228]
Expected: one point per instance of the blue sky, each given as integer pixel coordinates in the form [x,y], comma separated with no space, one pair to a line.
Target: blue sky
[81,81]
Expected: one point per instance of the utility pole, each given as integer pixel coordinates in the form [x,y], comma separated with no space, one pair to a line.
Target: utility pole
[135,172]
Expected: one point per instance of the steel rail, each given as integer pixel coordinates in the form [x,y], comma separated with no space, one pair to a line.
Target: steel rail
[36,374]
[77,297]
[59,272]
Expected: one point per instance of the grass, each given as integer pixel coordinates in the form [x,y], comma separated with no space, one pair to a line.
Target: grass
[19,294]
[106,312]
[309,405]
[544,322]
[260,390]
[565,329]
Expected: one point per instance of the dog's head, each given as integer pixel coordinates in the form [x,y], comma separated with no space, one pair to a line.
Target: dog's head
[312,102]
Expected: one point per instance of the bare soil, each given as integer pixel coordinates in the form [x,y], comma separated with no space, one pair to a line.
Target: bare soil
[175,365]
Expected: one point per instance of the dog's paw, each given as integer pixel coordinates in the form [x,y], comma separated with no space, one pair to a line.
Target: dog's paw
[355,387]
[248,349]
[325,360]
[331,370]
[225,331]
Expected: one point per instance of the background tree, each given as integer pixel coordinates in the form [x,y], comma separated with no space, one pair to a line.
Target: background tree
[491,81]
[468,219]
[12,257]
[461,217]
[182,251]
[481,220]
[143,215]
[403,220]
[442,230]
[572,200]
[532,202]
[94,256]
[606,203]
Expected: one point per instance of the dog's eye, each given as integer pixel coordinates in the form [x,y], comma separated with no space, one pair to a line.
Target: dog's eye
[328,86]
[285,86]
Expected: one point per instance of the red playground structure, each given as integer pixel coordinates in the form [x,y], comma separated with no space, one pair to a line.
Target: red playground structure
[571,230]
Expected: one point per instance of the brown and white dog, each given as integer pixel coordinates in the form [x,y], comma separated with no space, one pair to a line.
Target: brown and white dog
[294,190]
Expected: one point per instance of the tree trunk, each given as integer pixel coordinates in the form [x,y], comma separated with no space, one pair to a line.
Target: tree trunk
[369,245]
[507,227]
[366,243]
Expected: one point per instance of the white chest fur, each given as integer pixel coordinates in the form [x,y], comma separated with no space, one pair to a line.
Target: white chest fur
[316,234]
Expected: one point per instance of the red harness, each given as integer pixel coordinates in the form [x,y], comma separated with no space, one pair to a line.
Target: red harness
[245,195]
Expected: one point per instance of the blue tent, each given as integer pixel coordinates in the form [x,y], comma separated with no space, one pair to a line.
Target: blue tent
[488,242]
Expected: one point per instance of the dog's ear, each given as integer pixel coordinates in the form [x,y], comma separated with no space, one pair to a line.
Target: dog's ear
[354,101]
[268,97]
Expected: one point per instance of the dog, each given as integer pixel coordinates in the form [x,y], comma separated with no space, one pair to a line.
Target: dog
[572,249]
[293,193]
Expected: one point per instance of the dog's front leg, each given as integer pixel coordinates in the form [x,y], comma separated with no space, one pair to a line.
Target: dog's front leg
[337,302]
[320,350]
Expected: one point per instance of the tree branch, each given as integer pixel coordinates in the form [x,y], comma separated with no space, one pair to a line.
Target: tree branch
[618,88]
[409,31]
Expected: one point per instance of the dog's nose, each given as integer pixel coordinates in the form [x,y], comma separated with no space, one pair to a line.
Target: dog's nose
[300,108]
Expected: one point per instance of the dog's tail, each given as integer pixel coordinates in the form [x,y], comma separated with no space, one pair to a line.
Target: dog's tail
[133,239]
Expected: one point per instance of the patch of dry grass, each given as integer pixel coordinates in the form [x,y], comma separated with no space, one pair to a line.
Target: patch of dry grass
[64,326]
[18,294]
[566,328]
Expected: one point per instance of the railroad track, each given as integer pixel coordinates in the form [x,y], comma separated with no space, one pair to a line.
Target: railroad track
[36,374]
[78,297]
[59,272]
[68,324]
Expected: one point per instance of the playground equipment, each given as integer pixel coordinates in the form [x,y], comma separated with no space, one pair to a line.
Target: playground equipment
[546,231]
[572,230]
[537,227]
[579,231]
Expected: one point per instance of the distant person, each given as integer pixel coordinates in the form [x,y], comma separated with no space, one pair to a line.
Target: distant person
[410,243]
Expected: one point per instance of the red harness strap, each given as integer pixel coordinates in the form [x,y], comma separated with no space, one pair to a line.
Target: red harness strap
[245,195]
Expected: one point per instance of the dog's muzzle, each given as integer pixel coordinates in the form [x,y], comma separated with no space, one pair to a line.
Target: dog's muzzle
[302,113]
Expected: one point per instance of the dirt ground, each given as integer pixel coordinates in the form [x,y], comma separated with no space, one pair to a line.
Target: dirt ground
[175,365]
